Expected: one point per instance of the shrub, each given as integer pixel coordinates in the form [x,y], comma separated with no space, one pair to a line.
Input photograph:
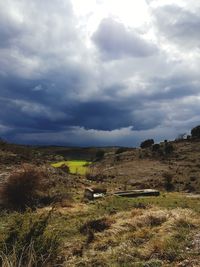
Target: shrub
[168,149]
[195,132]
[100,154]
[189,188]
[147,143]
[21,188]
[168,185]
[98,177]
[155,147]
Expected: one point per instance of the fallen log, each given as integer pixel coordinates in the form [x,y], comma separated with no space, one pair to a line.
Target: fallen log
[137,193]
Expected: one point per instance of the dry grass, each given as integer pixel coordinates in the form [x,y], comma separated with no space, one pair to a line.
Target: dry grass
[12,259]
[143,232]
[134,170]
[27,241]
[158,236]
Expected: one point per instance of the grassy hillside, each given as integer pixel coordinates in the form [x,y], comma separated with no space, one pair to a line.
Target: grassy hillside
[56,226]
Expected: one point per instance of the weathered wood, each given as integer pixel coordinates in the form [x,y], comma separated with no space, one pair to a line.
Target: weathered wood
[88,193]
[94,193]
[137,193]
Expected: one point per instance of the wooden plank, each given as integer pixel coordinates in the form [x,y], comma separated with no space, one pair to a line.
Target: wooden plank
[137,193]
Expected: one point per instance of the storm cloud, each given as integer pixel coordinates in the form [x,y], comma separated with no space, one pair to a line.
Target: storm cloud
[115,41]
[116,84]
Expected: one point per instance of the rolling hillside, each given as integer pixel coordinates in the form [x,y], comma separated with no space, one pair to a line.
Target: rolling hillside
[61,228]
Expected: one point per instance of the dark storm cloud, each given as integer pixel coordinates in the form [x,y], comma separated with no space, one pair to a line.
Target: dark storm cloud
[103,115]
[53,89]
[115,41]
[174,87]
[35,37]
[49,112]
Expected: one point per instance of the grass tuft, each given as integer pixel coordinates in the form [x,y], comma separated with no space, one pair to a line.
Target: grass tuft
[28,242]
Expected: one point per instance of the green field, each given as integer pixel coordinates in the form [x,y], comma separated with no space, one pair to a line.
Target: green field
[75,166]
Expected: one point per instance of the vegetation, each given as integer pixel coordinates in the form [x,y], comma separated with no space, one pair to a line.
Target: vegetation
[168,184]
[100,154]
[64,167]
[108,232]
[155,147]
[147,143]
[121,150]
[43,225]
[168,148]
[26,240]
[195,132]
[75,166]
[21,188]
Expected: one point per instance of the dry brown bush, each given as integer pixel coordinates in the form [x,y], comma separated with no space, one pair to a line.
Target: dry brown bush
[21,189]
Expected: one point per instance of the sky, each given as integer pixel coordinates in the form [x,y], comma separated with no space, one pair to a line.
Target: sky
[98,72]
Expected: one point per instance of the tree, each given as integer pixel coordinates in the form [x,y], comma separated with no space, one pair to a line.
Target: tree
[195,132]
[147,143]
